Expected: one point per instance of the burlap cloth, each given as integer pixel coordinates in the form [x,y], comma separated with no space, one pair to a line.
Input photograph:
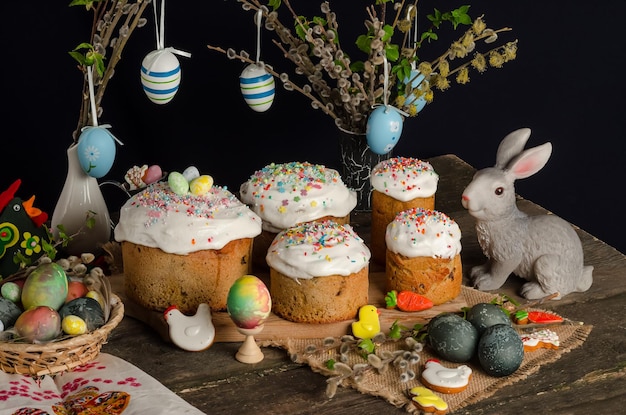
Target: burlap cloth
[388,384]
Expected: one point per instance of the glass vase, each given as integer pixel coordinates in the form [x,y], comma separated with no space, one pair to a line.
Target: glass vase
[80,199]
[357,161]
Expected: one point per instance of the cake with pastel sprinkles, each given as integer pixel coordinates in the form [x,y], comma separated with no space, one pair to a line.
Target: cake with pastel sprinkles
[184,242]
[424,255]
[286,194]
[319,272]
[398,183]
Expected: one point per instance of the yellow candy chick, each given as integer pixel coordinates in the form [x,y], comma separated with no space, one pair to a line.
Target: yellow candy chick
[368,324]
[428,401]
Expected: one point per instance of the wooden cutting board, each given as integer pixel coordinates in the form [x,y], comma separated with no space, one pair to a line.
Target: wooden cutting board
[277,328]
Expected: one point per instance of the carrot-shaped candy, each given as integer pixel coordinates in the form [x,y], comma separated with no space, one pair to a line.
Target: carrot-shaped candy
[407,301]
[543,317]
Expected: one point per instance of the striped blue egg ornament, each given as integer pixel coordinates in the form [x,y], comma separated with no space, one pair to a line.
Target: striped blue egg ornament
[257,87]
[160,76]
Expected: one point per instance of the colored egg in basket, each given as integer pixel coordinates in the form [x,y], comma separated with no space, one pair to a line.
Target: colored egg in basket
[257,87]
[160,76]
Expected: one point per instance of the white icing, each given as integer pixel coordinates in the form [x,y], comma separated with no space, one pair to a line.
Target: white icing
[284,195]
[404,178]
[318,249]
[438,375]
[545,336]
[423,233]
[159,218]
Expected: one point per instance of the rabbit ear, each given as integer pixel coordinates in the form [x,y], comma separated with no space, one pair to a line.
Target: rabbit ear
[511,146]
[530,161]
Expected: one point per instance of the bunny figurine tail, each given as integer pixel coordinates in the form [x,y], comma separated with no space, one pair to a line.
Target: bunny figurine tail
[543,249]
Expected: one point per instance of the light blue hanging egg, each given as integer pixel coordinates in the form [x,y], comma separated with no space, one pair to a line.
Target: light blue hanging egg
[160,75]
[383,130]
[257,87]
[417,78]
[96,151]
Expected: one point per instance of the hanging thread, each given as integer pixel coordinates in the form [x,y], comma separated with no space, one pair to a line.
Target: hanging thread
[257,20]
[94,112]
[160,31]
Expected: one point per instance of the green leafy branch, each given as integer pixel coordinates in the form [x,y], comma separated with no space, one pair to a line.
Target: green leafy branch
[113,23]
[347,89]
[89,58]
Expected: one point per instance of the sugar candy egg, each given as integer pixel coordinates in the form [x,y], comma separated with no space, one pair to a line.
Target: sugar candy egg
[383,130]
[257,87]
[160,76]
[96,151]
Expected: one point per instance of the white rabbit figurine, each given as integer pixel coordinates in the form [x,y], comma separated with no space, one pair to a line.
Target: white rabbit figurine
[543,249]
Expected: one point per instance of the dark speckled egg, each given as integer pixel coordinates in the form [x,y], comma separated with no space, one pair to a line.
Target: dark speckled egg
[452,337]
[484,315]
[86,308]
[500,350]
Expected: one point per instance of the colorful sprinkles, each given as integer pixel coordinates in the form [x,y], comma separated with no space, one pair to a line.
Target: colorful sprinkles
[320,236]
[161,200]
[419,217]
[294,178]
[403,170]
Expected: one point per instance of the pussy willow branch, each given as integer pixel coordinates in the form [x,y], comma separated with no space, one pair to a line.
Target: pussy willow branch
[271,71]
[115,10]
[435,63]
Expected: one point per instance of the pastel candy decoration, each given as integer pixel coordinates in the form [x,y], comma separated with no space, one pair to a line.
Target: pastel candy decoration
[383,130]
[160,75]
[152,174]
[178,183]
[416,79]
[257,87]
[191,173]
[96,151]
[201,185]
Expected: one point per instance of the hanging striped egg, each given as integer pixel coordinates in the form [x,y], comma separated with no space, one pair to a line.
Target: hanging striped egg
[257,87]
[160,76]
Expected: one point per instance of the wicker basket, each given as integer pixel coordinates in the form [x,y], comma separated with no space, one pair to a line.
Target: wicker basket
[55,357]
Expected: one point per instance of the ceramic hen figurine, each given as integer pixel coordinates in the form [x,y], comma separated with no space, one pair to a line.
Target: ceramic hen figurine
[368,324]
[543,249]
[21,230]
[192,333]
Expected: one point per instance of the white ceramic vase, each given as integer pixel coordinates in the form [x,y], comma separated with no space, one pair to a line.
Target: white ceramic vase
[81,195]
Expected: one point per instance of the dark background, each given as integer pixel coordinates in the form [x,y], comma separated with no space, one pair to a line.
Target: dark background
[566,85]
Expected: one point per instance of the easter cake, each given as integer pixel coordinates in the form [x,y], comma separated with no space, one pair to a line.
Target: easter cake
[184,242]
[318,272]
[398,184]
[424,255]
[286,194]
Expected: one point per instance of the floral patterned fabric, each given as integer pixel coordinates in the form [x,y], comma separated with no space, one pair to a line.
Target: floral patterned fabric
[108,385]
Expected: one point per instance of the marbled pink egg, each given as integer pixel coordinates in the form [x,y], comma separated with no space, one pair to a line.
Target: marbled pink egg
[153,174]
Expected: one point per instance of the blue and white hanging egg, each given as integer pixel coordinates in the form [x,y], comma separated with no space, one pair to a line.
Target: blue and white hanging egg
[160,75]
[96,151]
[257,87]
[417,78]
[383,130]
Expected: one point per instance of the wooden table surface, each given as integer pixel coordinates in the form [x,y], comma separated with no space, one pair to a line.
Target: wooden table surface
[590,379]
